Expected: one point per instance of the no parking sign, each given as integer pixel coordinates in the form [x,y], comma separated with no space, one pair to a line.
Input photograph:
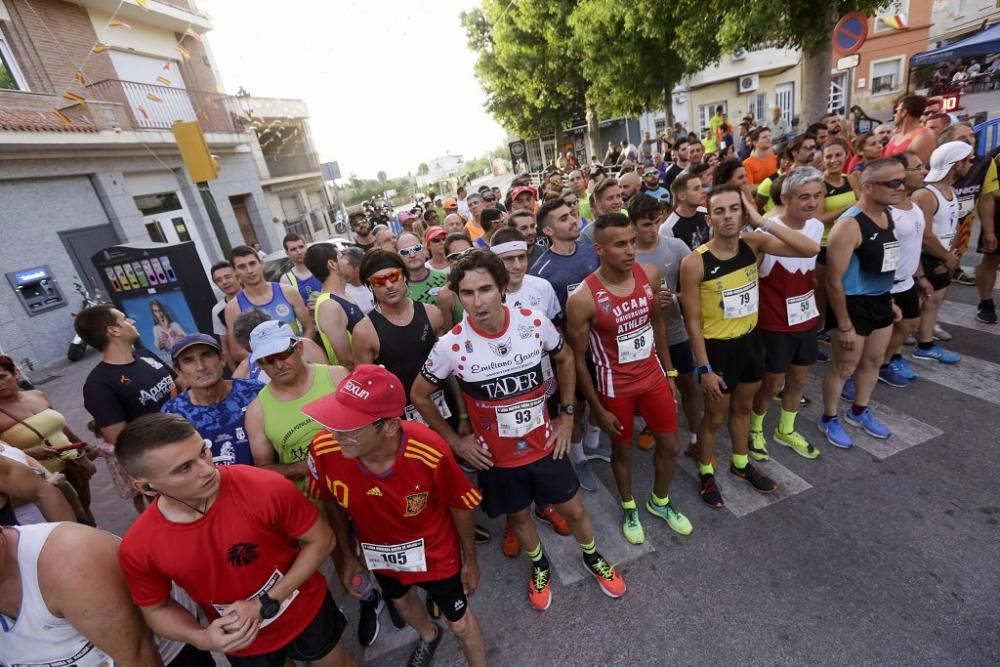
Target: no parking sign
[850,33]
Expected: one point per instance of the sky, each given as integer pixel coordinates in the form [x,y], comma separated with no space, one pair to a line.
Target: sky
[389,83]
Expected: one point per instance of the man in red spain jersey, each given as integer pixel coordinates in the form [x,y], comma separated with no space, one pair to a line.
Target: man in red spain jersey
[410,504]
[617,315]
[243,542]
[496,353]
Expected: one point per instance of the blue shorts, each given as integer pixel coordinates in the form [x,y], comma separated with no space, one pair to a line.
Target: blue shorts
[682,358]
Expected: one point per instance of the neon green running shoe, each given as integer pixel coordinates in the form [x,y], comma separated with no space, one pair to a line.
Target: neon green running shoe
[677,521]
[631,526]
[758,446]
[797,442]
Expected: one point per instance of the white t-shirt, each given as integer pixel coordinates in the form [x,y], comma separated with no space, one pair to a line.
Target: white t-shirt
[535,294]
[218,322]
[360,295]
[909,228]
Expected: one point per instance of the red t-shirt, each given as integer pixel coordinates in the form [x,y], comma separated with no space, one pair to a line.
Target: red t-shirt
[408,503]
[621,339]
[787,287]
[503,382]
[230,554]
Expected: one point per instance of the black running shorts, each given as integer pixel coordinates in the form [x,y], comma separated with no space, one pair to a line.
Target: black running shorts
[316,641]
[737,360]
[867,313]
[784,348]
[449,594]
[908,302]
[547,481]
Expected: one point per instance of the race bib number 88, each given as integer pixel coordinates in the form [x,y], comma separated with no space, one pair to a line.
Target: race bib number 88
[635,346]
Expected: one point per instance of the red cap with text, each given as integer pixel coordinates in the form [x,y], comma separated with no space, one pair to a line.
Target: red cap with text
[368,394]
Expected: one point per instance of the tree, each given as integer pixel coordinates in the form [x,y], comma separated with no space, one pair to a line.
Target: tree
[525,65]
[633,75]
[423,169]
[708,27]
[381,176]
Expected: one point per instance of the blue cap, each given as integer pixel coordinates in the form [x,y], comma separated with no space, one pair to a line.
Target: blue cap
[193,339]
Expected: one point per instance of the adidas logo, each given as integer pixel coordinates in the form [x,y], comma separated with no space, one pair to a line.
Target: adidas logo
[374,491]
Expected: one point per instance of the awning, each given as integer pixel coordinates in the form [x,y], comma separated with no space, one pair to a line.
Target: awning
[981,44]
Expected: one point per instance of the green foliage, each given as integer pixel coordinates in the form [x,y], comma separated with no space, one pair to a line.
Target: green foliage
[627,53]
[525,64]
[361,189]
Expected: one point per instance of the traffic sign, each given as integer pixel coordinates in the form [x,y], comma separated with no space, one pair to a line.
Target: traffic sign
[847,62]
[850,33]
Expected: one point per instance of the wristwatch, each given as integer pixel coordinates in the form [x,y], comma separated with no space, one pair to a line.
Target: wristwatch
[268,606]
[672,373]
[704,370]
[567,408]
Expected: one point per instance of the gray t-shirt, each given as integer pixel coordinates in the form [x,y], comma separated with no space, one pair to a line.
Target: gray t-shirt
[666,257]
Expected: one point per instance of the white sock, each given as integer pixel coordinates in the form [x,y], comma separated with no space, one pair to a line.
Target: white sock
[593,437]
[576,452]
[693,438]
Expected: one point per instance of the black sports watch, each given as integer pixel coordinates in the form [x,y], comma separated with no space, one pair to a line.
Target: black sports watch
[268,606]
[567,408]
[704,370]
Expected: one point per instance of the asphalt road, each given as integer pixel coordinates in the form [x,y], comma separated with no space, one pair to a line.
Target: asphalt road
[885,554]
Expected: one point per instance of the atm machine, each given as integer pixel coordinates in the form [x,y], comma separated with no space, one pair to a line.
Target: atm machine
[162,287]
[36,289]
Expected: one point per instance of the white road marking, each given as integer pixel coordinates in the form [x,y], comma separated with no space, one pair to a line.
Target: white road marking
[964,315]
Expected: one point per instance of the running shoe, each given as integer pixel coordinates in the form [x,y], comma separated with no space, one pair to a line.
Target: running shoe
[368,623]
[937,353]
[601,452]
[483,534]
[910,341]
[866,420]
[797,442]
[710,492]
[588,479]
[677,521]
[987,313]
[758,446]
[397,620]
[892,377]
[963,277]
[424,653]
[510,545]
[941,334]
[822,357]
[645,440]
[848,393]
[631,527]
[835,433]
[433,610]
[553,518]
[823,336]
[539,589]
[607,576]
[903,367]
[758,480]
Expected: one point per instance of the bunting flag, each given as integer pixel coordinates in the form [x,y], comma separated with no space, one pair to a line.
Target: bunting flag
[78,77]
[142,3]
[896,22]
[166,66]
[193,35]
[184,52]
[73,97]
[117,23]
[63,117]
[143,111]
[219,90]
[163,81]
[154,98]
[100,48]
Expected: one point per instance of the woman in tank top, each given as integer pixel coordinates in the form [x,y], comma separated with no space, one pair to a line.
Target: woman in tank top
[840,196]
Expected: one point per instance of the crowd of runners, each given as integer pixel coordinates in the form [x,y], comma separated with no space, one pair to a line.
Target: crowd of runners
[482,354]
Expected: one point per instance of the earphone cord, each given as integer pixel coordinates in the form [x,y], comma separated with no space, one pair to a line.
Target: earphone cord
[189,506]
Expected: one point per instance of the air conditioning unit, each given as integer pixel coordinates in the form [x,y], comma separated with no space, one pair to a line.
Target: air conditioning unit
[748,83]
[739,54]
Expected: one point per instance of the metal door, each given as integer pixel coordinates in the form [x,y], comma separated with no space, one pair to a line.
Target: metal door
[82,244]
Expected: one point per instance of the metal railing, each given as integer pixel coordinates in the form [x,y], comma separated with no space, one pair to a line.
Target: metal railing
[290,165]
[987,136]
[152,107]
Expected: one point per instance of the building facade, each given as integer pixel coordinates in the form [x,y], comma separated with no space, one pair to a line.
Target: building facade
[88,160]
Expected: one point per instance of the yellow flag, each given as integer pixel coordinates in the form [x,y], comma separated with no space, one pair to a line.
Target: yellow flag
[184,52]
[63,117]
[73,97]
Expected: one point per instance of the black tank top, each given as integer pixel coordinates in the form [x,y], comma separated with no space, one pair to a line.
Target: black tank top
[403,349]
[874,241]
[7,516]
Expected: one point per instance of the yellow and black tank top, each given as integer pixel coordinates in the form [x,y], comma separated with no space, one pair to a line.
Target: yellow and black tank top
[729,293]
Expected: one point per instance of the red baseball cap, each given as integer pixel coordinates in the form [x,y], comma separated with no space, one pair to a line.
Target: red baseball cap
[433,233]
[368,394]
[521,189]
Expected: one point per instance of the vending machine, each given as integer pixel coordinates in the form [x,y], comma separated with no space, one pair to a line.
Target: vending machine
[162,286]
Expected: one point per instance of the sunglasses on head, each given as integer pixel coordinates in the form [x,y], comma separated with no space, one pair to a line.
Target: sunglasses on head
[271,359]
[394,276]
[411,250]
[455,256]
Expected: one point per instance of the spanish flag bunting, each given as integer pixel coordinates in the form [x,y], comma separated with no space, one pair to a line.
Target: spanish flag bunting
[73,97]
[142,110]
[100,48]
[896,22]
[162,80]
[219,90]
[63,117]
[154,98]
[117,23]
[142,3]
[193,35]
[78,77]
[166,66]
[184,52]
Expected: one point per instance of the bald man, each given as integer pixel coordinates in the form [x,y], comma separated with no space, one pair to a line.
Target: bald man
[454,224]
[630,184]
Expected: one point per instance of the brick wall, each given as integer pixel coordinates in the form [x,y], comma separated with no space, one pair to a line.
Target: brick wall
[50,38]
